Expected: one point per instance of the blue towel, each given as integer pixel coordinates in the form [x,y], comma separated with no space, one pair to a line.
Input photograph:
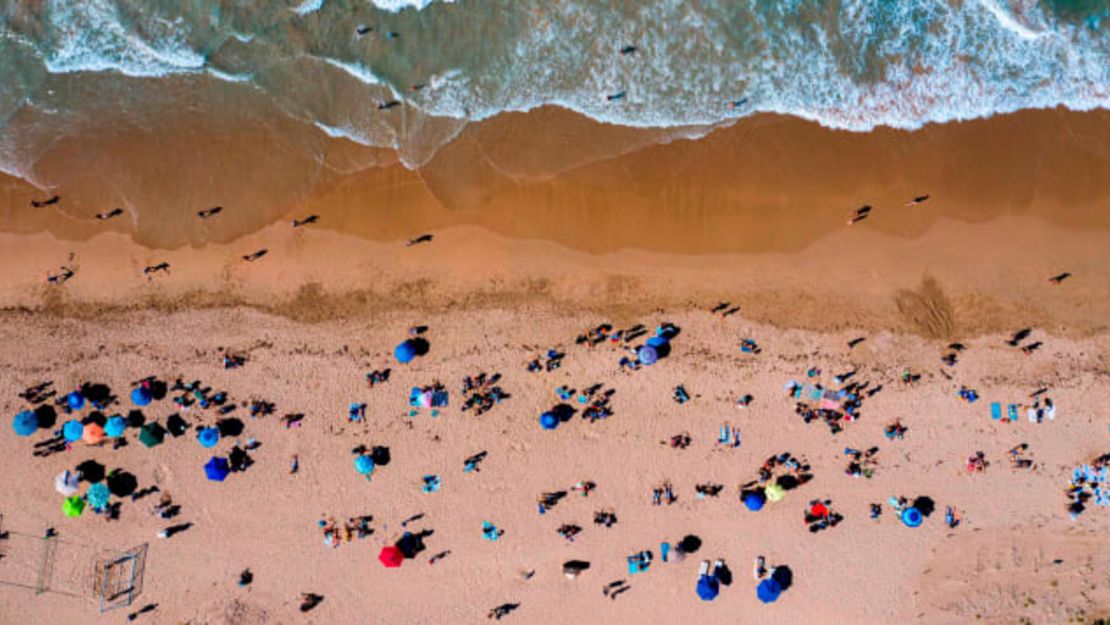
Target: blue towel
[996,410]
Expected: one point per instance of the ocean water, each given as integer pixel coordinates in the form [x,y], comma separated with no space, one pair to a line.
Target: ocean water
[434,66]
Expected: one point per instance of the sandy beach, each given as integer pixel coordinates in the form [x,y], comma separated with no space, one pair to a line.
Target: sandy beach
[545,225]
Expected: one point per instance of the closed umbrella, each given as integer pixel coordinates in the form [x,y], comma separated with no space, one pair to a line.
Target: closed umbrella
[25,423]
[208,437]
[73,506]
[93,434]
[97,496]
[141,396]
[67,482]
[768,590]
[391,557]
[115,426]
[72,431]
[217,469]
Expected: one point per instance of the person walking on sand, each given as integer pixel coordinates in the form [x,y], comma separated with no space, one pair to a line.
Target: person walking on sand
[311,219]
[917,200]
[250,258]
[210,212]
[47,202]
[860,214]
[153,269]
[115,212]
[424,238]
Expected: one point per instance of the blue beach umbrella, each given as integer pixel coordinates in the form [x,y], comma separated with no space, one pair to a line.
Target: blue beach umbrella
[75,400]
[25,423]
[768,591]
[755,501]
[405,352]
[364,464]
[217,469]
[115,426]
[141,396]
[208,437]
[647,355]
[98,495]
[708,587]
[912,517]
[72,431]
[549,421]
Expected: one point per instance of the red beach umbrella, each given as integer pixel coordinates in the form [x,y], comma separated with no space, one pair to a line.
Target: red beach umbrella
[391,557]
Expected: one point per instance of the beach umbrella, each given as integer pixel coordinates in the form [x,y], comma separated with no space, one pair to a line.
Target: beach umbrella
[217,469]
[405,352]
[152,434]
[67,482]
[774,492]
[912,517]
[72,431]
[115,426]
[75,400]
[141,396]
[647,355]
[754,501]
[208,437]
[93,434]
[708,587]
[73,506]
[768,590]
[391,557]
[97,496]
[549,421]
[364,464]
[25,423]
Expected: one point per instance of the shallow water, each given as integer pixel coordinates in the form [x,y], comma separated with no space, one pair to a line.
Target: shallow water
[847,64]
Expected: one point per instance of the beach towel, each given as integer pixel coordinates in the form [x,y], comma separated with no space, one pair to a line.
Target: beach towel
[1012,412]
[996,410]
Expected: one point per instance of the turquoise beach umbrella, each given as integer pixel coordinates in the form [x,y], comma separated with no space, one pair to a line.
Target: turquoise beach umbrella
[208,437]
[364,465]
[98,495]
[115,426]
[72,431]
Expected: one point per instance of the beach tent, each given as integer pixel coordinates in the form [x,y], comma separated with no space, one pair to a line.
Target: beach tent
[405,352]
[72,431]
[364,464]
[391,557]
[754,500]
[67,482]
[98,495]
[217,469]
[912,517]
[141,396]
[93,434]
[708,587]
[25,423]
[73,506]
[152,434]
[775,492]
[549,421]
[75,400]
[208,437]
[768,590]
[115,426]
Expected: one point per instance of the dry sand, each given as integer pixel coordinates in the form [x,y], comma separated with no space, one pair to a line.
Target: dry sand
[546,224]
[998,564]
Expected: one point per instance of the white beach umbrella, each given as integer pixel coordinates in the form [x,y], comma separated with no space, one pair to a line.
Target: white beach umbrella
[66,482]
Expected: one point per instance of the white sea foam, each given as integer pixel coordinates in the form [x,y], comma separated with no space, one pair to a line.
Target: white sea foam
[344,132]
[394,6]
[308,6]
[89,37]
[358,70]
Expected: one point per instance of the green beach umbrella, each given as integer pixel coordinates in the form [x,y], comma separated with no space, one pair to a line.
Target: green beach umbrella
[73,506]
[152,434]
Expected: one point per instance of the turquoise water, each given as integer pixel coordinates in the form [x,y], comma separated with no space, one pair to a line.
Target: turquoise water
[846,64]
